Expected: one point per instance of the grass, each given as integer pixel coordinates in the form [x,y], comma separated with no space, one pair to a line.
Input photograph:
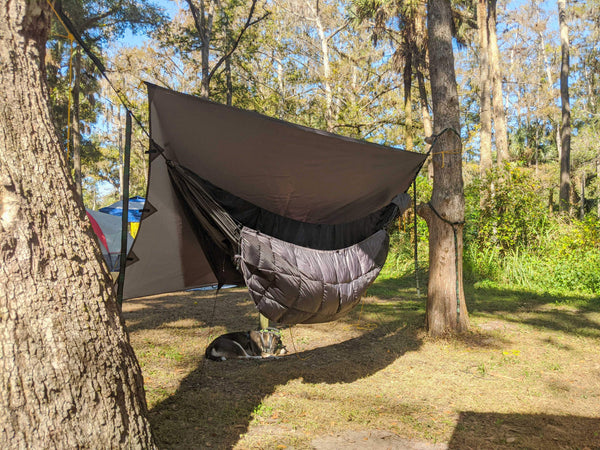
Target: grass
[527,375]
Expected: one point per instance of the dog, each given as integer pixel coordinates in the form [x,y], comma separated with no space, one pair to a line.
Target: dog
[246,345]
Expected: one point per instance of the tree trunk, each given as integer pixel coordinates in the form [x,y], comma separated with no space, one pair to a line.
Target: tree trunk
[446,307]
[485,114]
[203,21]
[121,154]
[499,114]
[427,128]
[69,377]
[598,185]
[582,208]
[77,125]
[329,114]
[228,43]
[205,54]
[280,89]
[565,128]
[229,82]
[408,124]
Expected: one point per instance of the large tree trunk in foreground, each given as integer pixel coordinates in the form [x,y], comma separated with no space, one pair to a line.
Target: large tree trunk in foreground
[68,378]
[446,308]
[565,127]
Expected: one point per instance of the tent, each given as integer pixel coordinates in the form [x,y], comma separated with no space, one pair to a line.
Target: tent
[134,212]
[237,197]
[108,231]
[136,206]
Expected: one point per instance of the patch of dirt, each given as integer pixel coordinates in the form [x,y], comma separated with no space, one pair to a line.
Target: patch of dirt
[371,440]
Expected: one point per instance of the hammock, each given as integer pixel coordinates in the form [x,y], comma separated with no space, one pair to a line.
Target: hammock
[236,197]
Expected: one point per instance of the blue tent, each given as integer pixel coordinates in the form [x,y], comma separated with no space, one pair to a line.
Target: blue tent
[136,207]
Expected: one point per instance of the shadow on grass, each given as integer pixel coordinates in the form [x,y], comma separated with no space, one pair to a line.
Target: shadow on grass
[497,431]
[215,403]
[565,313]
[405,285]
[205,308]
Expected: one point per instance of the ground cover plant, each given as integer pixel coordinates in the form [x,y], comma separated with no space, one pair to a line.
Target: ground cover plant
[526,375]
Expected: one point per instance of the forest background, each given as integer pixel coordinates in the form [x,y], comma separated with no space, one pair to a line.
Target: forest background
[358,68]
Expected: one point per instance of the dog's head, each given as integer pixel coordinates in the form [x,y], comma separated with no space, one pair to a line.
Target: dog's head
[269,342]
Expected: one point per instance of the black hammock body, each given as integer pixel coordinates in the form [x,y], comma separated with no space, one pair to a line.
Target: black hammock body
[297,215]
[295,272]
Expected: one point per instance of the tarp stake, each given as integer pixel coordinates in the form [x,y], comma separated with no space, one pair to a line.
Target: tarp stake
[125,217]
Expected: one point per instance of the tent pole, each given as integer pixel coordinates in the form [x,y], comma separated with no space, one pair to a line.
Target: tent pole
[125,217]
[416,237]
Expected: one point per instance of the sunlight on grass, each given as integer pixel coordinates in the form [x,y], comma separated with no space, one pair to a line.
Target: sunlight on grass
[529,359]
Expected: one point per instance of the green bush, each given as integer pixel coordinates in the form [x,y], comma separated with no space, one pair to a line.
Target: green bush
[572,255]
[513,240]
[565,258]
[513,212]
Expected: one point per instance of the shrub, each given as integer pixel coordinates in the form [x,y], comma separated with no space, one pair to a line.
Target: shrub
[513,214]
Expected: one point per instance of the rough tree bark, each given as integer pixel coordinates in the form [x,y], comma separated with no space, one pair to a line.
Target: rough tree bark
[68,378]
[446,308]
[565,127]
[485,114]
[498,112]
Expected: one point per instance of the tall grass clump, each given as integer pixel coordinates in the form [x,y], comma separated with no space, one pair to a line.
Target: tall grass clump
[513,238]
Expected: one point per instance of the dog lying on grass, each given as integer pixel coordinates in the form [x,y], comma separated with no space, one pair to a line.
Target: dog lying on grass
[246,345]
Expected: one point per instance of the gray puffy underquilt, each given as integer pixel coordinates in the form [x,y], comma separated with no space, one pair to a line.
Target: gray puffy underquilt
[292,284]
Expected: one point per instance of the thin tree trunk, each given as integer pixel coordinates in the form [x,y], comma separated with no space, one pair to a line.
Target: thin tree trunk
[565,128]
[203,20]
[427,127]
[558,142]
[76,125]
[598,185]
[582,210]
[121,153]
[207,21]
[69,377]
[446,308]
[229,82]
[329,114]
[281,89]
[228,79]
[485,114]
[408,124]
[499,114]
[547,63]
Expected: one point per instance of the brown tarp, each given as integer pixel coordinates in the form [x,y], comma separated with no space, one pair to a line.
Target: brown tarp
[299,173]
